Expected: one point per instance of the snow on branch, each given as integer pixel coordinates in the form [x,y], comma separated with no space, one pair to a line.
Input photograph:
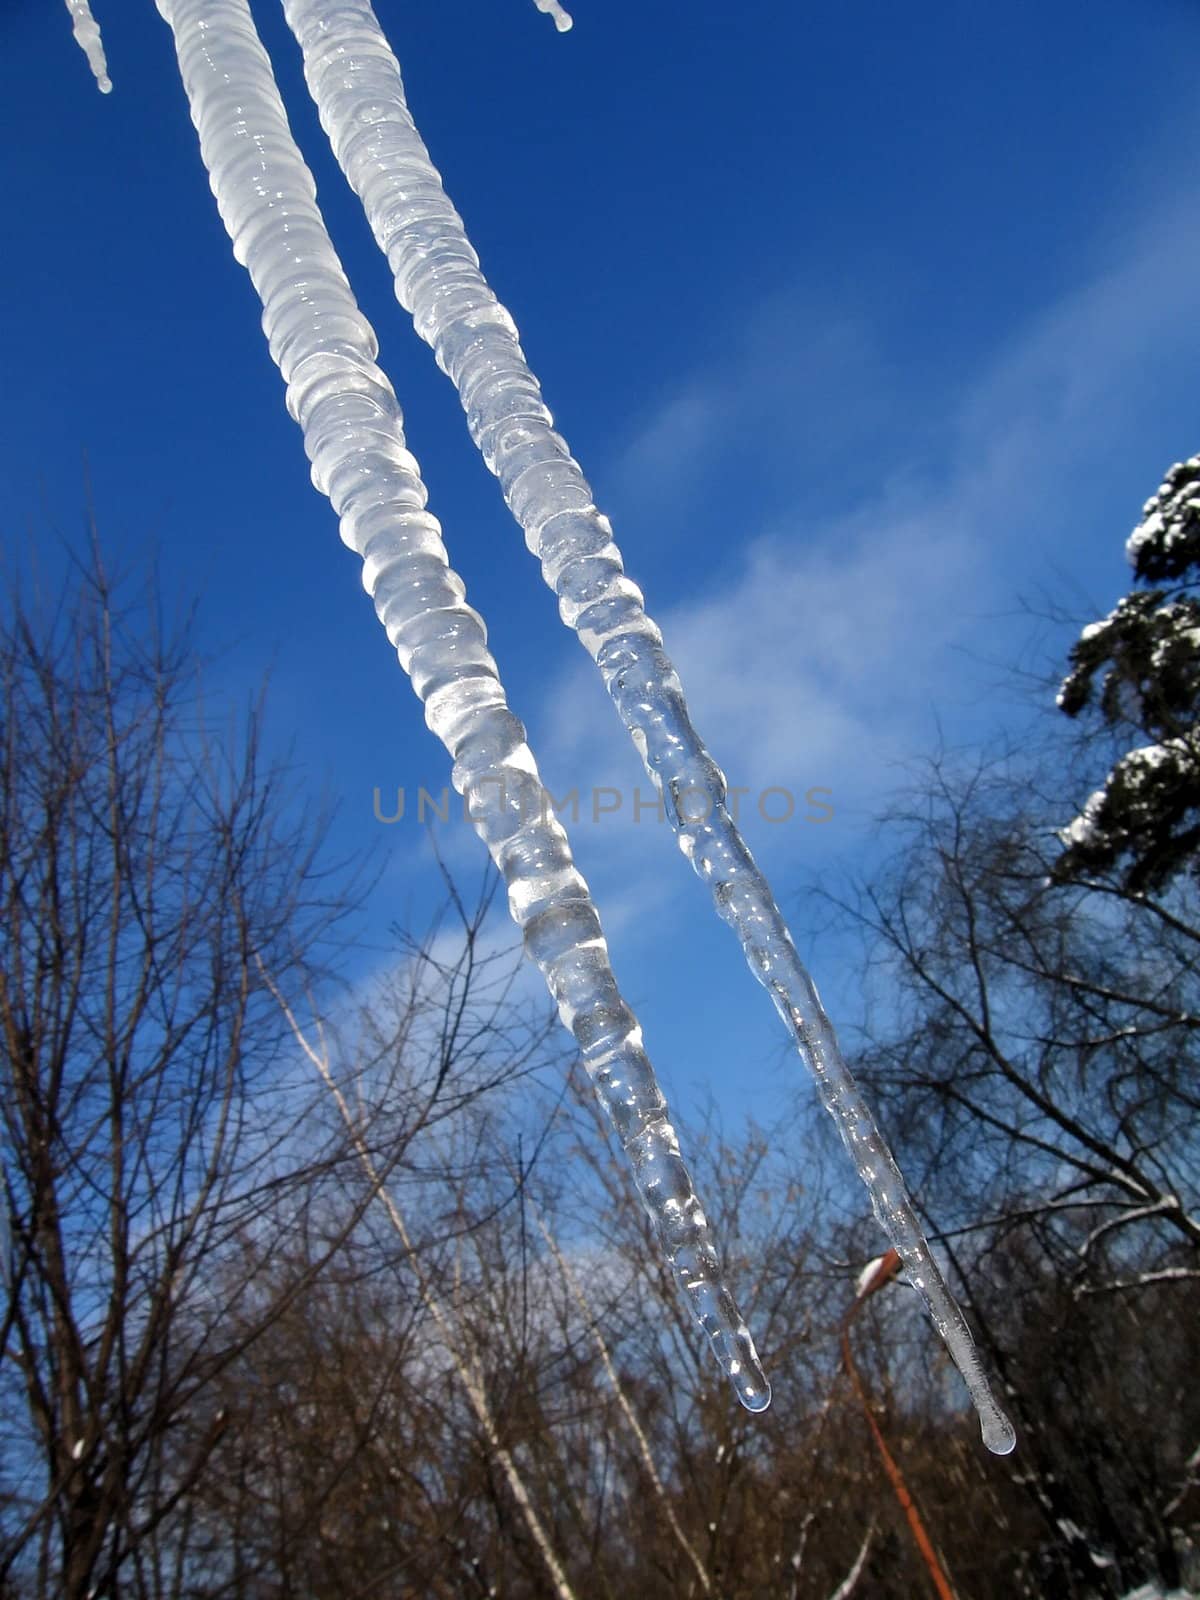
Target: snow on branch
[1137,671]
[1155,1275]
[1167,539]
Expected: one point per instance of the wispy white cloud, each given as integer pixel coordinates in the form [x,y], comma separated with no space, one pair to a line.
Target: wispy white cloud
[817,646]
[817,652]
[673,438]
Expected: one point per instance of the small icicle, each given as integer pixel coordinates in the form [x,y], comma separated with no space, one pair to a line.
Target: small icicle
[552,9]
[87,36]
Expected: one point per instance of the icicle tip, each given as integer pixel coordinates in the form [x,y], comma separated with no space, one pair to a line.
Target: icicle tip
[998,1433]
[563,21]
[753,1390]
[87,37]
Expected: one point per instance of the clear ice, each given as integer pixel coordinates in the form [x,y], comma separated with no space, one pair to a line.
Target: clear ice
[353,435]
[87,36]
[355,81]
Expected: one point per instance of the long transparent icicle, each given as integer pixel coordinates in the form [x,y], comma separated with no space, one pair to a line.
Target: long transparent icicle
[353,434]
[87,36]
[355,81]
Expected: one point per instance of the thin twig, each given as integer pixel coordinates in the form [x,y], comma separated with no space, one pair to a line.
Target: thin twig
[469,1372]
[635,1427]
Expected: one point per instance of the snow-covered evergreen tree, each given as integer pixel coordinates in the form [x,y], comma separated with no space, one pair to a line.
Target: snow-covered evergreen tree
[1138,673]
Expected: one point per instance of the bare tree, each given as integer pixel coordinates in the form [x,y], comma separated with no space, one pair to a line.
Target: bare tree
[355,1299]
[1036,1044]
[365,1443]
[149,1110]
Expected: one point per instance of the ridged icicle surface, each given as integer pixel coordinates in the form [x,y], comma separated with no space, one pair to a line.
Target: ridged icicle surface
[87,36]
[353,434]
[355,80]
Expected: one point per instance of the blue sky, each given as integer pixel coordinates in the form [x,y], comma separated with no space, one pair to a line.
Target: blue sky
[864,322]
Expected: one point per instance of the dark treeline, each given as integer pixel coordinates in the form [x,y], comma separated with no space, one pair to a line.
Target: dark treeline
[351,1297]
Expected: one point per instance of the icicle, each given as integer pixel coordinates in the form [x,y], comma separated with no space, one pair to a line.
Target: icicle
[355,80]
[87,36]
[552,8]
[353,435]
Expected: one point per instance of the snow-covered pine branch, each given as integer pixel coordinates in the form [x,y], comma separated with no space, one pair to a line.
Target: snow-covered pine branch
[1137,672]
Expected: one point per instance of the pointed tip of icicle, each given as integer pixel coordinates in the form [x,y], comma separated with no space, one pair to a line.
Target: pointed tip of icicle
[87,37]
[563,21]
[998,1433]
[745,1373]
[756,1396]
